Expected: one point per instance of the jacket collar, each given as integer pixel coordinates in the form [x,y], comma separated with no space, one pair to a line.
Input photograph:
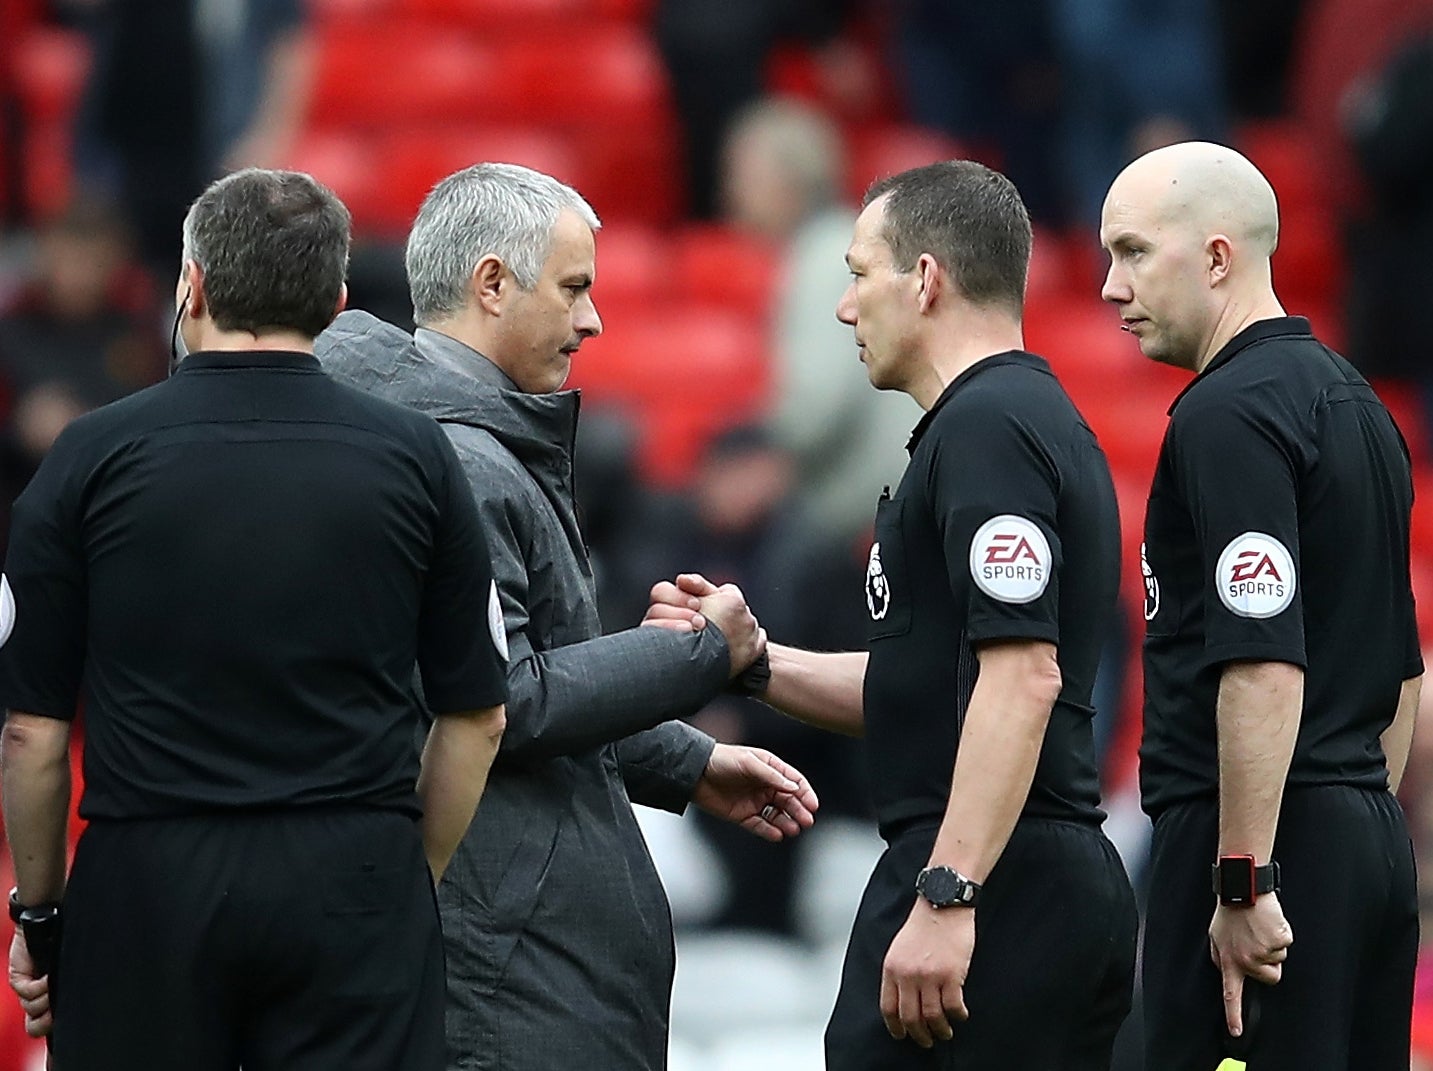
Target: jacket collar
[1258,331]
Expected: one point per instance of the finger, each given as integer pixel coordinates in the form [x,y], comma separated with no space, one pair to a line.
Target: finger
[793,807]
[760,827]
[764,767]
[38,1028]
[909,999]
[664,591]
[30,988]
[953,997]
[732,589]
[36,1007]
[669,625]
[1233,1000]
[933,1013]
[890,1007]
[696,584]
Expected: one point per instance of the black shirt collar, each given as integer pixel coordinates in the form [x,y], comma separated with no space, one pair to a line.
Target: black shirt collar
[1259,331]
[997,360]
[283,360]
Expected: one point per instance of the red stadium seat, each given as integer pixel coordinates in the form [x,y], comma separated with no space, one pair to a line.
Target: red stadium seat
[415,159]
[49,68]
[343,160]
[45,160]
[517,17]
[377,73]
[631,171]
[608,73]
[633,265]
[721,266]
[889,148]
[682,374]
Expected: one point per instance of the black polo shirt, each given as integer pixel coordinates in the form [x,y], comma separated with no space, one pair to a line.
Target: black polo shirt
[239,567]
[1277,530]
[1003,527]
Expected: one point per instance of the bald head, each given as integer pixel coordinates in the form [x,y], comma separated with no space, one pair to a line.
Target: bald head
[1205,187]
[1190,229]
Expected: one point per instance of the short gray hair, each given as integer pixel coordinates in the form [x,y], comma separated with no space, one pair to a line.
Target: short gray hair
[502,210]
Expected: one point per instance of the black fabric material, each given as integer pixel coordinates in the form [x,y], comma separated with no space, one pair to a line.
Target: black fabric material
[1281,437]
[239,569]
[1003,440]
[1051,977]
[1349,892]
[269,941]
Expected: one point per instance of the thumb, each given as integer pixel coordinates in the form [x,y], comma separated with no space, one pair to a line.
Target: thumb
[696,584]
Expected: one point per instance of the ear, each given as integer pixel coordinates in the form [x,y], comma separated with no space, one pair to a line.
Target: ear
[342,299]
[192,278]
[930,282]
[490,282]
[1220,252]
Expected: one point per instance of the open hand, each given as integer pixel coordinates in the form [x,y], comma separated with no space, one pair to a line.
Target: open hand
[757,791]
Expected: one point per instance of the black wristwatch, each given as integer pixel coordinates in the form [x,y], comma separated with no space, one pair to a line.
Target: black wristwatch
[17,909]
[753,680]
[1238,882]
[941,886]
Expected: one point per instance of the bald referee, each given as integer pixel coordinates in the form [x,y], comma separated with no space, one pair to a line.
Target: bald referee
[1281,659]
[237,570]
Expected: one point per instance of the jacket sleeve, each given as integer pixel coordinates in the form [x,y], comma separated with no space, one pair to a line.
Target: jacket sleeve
[661,767]
[564,700]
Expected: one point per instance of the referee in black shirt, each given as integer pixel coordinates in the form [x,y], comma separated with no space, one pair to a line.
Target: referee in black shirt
[1282,663]
[998,930]
[237,570]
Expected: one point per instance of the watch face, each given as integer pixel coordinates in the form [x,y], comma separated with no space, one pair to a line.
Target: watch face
[941,886]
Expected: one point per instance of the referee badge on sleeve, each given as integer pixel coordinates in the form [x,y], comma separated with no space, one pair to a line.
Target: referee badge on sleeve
[1010,559]
[1255,576]
[495,620]
[7,609]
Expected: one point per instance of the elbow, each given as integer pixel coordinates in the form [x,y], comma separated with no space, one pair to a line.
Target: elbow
[495,723]
[1045,681]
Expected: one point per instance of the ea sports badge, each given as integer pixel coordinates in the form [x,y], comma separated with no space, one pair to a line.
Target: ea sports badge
[7,609]
[1255,576]
[1010,559]
[495,621]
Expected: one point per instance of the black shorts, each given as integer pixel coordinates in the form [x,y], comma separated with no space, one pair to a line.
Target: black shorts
[300,939]
[1349,892]
[1051,978]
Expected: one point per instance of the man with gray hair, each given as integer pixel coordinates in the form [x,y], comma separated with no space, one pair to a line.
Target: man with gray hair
[558,932]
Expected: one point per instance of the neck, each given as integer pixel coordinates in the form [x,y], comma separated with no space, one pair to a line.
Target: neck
[1235,317]
[959,344]
[212,339]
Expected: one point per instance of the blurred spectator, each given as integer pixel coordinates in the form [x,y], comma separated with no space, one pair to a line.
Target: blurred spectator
[180,92]
[1390,245]
[783,168]
[739,526]
[79,333]
[716,56]
[988,75]
[1136,75]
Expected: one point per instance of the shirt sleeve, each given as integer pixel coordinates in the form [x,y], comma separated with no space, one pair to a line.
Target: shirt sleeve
[993,489]
[462,652]
[1238,472]
[43,602]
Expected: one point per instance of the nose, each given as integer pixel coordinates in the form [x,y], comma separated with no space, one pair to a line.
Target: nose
[846,307]
[1116,288]
[585,320]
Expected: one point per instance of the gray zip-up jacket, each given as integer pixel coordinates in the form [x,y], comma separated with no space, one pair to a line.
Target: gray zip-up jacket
[557,929]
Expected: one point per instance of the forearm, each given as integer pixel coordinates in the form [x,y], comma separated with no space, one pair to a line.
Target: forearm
[821,688]
[1259,708]
[35,768]
[999,749]
[584,695]
[1397,739]
[456,759]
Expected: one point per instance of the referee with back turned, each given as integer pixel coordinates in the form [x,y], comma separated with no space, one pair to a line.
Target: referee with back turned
[237,570]
[1282,663]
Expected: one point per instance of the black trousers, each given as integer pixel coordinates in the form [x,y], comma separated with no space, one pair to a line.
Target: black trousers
[1051,977]
[283,940]
[1349,892]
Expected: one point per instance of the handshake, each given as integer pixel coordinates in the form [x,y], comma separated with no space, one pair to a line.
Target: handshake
[692,602]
